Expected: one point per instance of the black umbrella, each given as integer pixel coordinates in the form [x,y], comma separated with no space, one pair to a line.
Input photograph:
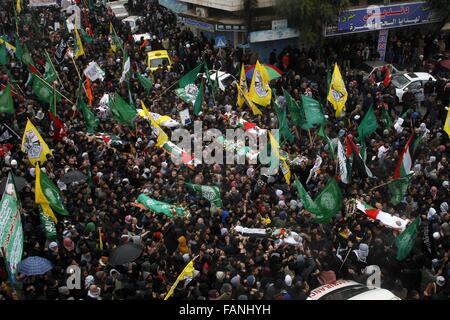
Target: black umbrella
[125,253]
[73,176]
[20,183]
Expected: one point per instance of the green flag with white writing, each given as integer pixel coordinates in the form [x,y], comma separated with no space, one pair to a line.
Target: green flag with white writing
[48,224]
[329,201]
[305,198]
[145,82]
[43,91]
[122,111]
[283,124]
[210,193]
[311,113]
[368,124]
[160,207]
[398,188]
[198,101]
[405,241]
[11,233]
[52,194]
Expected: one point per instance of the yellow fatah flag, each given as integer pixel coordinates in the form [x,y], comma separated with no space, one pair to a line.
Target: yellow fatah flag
[18,7]
[252,106]
[111,33]
[33,145]
[162,136]
[40,198]
[260,91]
[80,49]
[337,94]
[447,122]
[188,271]
[100,239]
[242,88]
[285,169]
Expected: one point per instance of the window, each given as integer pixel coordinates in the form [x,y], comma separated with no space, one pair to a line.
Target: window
[155,63]
[399,80]
[345,293]
[416,85]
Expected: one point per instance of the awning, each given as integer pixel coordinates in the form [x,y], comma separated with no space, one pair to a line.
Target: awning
[446,27]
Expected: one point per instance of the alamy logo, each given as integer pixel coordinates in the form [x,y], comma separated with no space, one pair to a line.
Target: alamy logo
[74,280]
[241,147]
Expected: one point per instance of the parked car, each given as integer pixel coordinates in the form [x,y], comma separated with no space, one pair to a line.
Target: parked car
[158,58]
[412,81]
[369,67]
[225,79]
[118,9]
[350,290]
[132,21]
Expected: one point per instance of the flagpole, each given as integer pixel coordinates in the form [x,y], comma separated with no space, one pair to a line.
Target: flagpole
[78,72]
[51,62]
[48,84]
[159,97]
[381,185]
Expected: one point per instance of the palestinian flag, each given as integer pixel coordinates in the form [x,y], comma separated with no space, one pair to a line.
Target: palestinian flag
[353,153]
[384,217]
[110,140]
[58,131]
[405,162]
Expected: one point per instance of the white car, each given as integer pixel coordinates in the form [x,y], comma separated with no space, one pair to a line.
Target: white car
[411,81]
[119,10]
[350,290]
[225,79]
[132,22]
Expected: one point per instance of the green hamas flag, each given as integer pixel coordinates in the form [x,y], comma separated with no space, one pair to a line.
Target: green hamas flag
[122,111]
[321,133]
[23,54]
[368,124]
[329,201]
[310,113]
[145,82]
[305,198]
[190,77]
[52,194]
[283,124]
[188,90]
[50,72]
[48,224]
[405,241]
[398,188]
[212,194]
[6,100]
[386,118]
[3,53]
[293,108]
[11,233]
[43,91]
[85,36]
[90,119]
[160,207]
[198,101]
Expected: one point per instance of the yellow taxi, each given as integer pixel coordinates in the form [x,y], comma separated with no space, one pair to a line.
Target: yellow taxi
[159,58]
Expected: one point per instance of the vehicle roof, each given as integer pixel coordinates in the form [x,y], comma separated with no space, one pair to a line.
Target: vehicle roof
[375,294]
[418,76]
[137,37]
[327,288]
[156,53]
[131,18]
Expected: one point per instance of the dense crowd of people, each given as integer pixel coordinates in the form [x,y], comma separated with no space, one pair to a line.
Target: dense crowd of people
[228,265]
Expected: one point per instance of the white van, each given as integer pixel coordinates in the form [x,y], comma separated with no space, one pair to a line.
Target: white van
[350,290]
[132,22]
